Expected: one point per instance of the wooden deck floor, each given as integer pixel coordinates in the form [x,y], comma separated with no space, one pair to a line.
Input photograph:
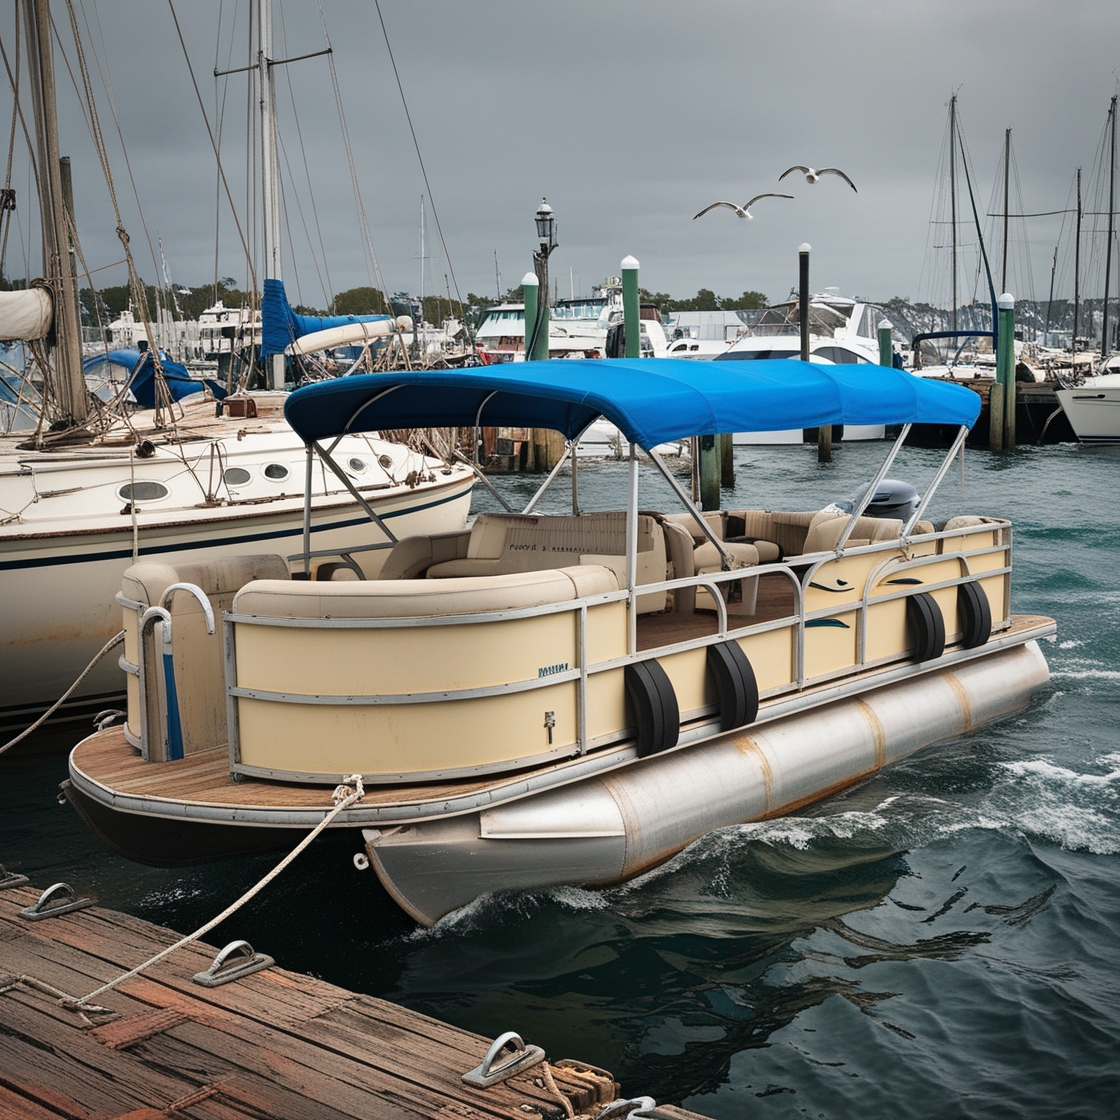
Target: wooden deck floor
[276,1044]
[774,600]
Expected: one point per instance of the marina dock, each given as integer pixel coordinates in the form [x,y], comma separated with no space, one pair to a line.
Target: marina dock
[274,1044]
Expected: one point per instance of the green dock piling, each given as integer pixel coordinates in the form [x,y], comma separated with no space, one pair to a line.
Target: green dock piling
[1005,366]
[631,313]
[886,348]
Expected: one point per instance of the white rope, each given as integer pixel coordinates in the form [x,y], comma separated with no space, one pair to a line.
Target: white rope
[567,1104]
[115,640]
[344,796]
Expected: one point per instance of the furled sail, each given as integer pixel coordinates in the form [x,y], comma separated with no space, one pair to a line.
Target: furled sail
[281,326]
[25,314]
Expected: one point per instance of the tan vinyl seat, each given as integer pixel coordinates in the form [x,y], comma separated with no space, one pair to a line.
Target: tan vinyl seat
[411,557]
[501,544]
[270,598]
[826,528]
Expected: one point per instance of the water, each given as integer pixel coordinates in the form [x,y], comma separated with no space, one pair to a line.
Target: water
[941,941]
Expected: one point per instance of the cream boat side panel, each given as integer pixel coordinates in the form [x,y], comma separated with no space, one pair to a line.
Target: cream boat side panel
[692,683]
[607,716]
[831,644]
[771,656]
[414,659]
[887,634]
[336,661]
[391,739]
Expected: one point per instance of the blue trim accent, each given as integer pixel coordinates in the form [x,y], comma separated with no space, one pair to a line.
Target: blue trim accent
[834,622]
[174,724]
[159,550]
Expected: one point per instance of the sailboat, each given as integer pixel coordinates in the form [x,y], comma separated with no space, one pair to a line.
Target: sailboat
[197,478]
[1092,404]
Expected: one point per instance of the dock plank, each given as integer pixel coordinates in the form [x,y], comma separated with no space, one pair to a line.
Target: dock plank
[276,1044]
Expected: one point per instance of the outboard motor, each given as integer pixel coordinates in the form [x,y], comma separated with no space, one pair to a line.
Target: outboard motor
[892,498]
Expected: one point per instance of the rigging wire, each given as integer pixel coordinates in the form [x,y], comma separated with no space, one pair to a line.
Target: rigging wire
[213,143]
[8,205]
[162,393]
[324,273]
[379,280]
[420,158]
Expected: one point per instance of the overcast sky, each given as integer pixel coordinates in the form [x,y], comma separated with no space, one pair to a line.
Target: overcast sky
[629,115]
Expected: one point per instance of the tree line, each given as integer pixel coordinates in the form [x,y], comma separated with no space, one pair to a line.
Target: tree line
[105,304]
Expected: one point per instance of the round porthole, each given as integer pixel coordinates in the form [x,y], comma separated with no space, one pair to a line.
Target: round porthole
[142,492]
[276,471]
[236,476]
[356,465]
[386,461]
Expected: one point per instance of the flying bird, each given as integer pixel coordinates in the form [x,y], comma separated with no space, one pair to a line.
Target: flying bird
[740,211]
[812,174]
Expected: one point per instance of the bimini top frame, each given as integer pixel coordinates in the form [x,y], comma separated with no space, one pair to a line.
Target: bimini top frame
[650,400]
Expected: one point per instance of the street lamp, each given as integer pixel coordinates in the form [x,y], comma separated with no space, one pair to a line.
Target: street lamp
[546,227]
[536,334]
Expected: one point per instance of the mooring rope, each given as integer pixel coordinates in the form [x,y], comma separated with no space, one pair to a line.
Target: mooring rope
[344,796]
[114,641]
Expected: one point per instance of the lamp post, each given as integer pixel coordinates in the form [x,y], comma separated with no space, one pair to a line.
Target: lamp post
[536,333]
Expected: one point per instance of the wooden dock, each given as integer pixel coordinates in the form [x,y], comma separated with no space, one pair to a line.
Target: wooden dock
[275,1045]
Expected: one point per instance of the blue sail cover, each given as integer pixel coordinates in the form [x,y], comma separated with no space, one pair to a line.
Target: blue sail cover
[142,380]
[651,400]
[281,326]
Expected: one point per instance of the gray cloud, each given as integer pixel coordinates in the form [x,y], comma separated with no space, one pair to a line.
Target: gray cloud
[630,116]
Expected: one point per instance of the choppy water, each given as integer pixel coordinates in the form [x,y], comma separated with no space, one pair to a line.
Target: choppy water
[942,941]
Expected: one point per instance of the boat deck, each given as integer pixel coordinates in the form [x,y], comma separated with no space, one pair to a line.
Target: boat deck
[775,600]
[203,779]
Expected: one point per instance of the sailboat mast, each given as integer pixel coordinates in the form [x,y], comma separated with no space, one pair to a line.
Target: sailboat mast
[953,201]
[1076,269]
[1111,210]
[66,351]
[421,253]
[1007,175]
[270,168]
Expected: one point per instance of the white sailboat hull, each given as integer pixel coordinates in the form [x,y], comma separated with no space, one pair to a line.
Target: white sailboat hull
[1093,409]
[59,578]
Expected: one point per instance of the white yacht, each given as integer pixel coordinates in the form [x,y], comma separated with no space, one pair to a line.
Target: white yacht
[842,331]
[1093,408]
[577,328]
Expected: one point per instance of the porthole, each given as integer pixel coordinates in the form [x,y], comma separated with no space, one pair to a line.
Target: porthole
[236,476]
[386,461]
[356,465]
[142,492]
[276,471]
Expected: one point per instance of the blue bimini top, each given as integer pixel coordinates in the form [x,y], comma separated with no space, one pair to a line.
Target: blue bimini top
[650,400]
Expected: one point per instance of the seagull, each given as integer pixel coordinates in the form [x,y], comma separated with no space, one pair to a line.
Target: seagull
[812,174]
[740,211]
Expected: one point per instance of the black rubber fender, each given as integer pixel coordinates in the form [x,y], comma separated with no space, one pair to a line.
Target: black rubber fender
[735,684]
[655,707]
[975,613]
[927,625]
